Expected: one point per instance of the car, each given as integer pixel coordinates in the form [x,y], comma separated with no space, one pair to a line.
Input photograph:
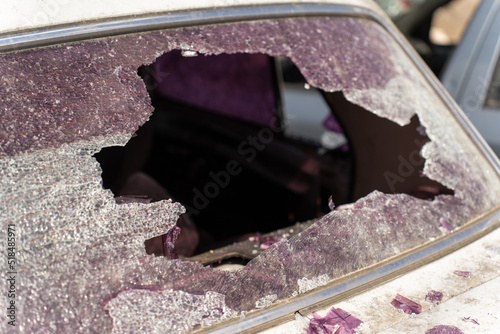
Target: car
[179,167]
[468,69]
[416,20]
[472,74]
[434,28]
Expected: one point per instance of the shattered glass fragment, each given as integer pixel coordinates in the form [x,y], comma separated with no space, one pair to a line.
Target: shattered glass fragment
[331,205]
[434,296]
[406,305]
[132,199]
[444,329]
[306,284]
[445,225]
[169,239]
[266,242]
[189,53]
[493,251]
[265,301]
[462,273]
[165,311]
[335,321]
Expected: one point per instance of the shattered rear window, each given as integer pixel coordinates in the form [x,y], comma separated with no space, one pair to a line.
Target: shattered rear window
[80,254]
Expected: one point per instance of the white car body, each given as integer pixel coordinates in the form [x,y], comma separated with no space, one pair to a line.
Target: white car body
[35,14]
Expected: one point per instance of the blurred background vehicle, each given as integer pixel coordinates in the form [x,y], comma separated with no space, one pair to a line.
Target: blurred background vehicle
[459,41]
[472,74]
[433,27]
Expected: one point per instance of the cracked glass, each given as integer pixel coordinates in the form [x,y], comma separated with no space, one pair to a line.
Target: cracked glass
[80,254]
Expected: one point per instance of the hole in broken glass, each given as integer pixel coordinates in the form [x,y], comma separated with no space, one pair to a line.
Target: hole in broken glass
[249,147]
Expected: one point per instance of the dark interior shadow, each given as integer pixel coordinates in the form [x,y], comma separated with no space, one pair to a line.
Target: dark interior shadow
[386,156]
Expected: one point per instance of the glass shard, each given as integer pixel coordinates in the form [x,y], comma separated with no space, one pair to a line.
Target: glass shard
[434,296]
[445,225]
[406,305]
[335,321]
[462,273]
[469,319]
[169,239]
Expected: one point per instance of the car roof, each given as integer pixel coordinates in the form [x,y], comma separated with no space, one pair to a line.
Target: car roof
[33,14]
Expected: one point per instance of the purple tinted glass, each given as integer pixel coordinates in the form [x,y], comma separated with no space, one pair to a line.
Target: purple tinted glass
[82,257]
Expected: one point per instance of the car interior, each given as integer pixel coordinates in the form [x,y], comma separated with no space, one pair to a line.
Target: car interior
[219,142]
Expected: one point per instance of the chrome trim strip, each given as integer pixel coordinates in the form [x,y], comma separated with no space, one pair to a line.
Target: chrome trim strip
[316,297]
[120,26]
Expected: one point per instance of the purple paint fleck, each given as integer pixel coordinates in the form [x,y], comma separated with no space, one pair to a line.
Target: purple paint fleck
[335,321]
[469,319]
[406,305]
[444,329]
[434,296]
[462,273]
